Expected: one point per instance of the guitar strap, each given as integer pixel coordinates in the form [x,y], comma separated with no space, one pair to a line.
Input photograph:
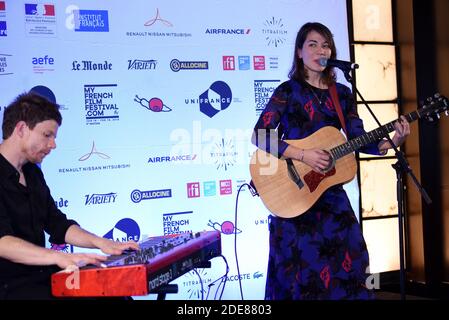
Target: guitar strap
[336,101]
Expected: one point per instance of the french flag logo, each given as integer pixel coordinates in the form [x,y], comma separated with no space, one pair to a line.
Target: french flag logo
[40,9]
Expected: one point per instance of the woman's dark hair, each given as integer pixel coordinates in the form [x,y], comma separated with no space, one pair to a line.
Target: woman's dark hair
[30,108]
[297,71]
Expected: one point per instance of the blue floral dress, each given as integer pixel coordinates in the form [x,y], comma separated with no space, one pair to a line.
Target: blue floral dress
[320,254]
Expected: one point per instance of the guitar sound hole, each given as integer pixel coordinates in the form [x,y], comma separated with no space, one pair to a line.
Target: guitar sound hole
[331,162]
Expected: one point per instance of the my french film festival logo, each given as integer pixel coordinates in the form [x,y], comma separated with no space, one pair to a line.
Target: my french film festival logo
[40,19]
[82,20]
[263,90]
[176,222]
[99,103]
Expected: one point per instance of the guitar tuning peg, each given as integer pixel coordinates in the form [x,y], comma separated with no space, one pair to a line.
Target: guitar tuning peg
[438,115]
[446,113]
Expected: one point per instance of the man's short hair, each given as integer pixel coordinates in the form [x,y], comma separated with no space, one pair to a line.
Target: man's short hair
[30,108]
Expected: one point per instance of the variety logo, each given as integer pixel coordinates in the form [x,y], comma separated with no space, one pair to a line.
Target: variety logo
[61,203]
[99,103]
[137,195]
[154,104]
[274,31]
[193,190]
[169,159]
[138,64]
[176,65]
[263,90]
[226,227]
[177,222]
[42,64]
[93,151]
[88,65]
[125,230]
[4,62]
[100,198]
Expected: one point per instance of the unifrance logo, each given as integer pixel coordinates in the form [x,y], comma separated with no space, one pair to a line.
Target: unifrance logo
[100,198]
[217,98]
[80,20]
[154,104]
[125,230]
[137,195]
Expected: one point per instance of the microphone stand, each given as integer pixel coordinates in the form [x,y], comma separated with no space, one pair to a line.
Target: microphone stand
[401,167]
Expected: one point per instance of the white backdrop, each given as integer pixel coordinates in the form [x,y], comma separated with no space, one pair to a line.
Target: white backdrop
[134,80]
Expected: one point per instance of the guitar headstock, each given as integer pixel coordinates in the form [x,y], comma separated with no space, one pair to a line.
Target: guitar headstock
[433,106]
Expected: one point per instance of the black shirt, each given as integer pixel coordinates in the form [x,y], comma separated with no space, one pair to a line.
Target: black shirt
[26,212]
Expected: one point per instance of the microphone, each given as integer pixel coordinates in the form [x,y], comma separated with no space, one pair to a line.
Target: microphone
[343,65]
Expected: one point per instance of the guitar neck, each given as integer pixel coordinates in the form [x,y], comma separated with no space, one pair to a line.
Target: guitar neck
[374,135]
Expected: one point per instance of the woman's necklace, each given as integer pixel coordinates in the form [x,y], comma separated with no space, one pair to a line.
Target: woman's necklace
[319,99]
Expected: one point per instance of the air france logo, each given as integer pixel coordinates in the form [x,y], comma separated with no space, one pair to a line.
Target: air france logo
[217,98]
[137,195]
[125,230]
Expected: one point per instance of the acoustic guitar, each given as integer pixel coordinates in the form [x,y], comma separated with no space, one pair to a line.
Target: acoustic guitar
[288,187]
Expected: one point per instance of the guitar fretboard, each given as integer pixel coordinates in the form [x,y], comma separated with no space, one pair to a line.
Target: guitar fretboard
[374,135]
